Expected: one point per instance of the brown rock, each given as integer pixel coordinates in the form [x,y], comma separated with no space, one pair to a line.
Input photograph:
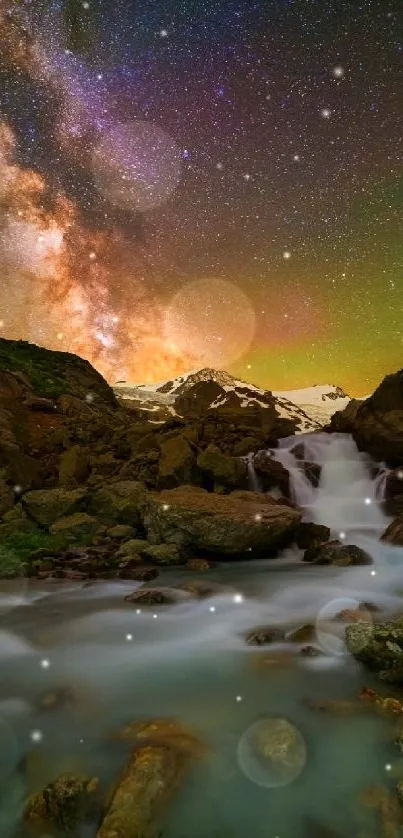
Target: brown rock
[394,532]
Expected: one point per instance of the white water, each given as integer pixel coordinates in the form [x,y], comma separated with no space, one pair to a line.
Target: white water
[190,661]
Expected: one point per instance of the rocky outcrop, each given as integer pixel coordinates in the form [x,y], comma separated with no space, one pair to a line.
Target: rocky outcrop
[377,423]
[271,473]
[235,524]
[336,553]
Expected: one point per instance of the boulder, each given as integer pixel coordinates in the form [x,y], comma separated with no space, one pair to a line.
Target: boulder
[221,469]
[45,506]
[74,466]
[272,474]
[7,496]
[379,646]
[236,524]
[377,423]
[176,464]
[120,502]
[121,531]
[335,553]
[77,527]
[394,532]
[162,554]
[310,534]
[65,805]
[132,548]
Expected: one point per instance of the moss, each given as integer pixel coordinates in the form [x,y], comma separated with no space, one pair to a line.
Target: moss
[16,550]
[53,374]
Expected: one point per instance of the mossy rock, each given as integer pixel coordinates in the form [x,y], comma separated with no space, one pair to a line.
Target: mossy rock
[53,374]
[64,804]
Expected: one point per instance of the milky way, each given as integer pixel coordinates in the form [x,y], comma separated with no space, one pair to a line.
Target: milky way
[204,181]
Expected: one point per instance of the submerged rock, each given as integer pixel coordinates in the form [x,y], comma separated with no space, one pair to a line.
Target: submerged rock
[336,553]
[384,705]
[152,596]
[64,804]
[310,534]
[158,765]
[264,635]
[301,634]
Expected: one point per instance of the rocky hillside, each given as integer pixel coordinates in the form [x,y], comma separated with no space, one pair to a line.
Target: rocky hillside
[91,485]
[208,389]
[376,423]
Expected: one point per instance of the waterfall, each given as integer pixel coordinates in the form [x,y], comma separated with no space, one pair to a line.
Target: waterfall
[253,479]
[347,498]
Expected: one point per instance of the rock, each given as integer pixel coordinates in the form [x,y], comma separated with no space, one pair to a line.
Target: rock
[264,635]
[119,503]
[76,527]
[384,705]
[302,634]
[64,804]
[199,564]
[312,472]
[394,492]
[310,534]
[377,423]
[272,474]
[152,596]
[335,553]
[176,464]
[154,772]
[45,506]
[399,791]
[280,748]
[162,554]
[201,590]
[378,645]
[131,549]
[121,531]
[221,469]
[74,466]
[239,523]
[394,532]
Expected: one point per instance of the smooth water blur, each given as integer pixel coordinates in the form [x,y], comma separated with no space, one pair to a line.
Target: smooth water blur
[190,661]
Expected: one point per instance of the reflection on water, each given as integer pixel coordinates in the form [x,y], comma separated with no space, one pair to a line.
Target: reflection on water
[190,661]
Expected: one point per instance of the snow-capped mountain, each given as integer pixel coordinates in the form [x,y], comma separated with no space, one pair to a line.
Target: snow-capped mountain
[319,402]
[209,389]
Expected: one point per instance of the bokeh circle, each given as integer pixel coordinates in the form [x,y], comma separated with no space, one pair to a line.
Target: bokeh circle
[331,624]
[211,319]
[272,752]
[136,165]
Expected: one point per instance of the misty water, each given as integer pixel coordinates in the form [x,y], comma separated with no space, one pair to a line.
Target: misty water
[190,661]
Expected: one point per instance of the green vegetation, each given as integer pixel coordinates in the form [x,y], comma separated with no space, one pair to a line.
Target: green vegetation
[53,374]
[16,549]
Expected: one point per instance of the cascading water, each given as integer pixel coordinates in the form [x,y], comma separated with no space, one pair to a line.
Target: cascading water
[346,498]
[253,479]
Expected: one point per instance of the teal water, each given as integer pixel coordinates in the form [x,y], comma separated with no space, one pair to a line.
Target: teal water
[191,663]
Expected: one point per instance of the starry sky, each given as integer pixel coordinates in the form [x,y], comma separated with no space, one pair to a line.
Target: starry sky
[187,183]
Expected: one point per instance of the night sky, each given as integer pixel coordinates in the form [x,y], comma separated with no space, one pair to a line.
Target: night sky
[187,183]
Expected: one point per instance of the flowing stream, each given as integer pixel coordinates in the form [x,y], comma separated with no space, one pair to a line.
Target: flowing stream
[190,661]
